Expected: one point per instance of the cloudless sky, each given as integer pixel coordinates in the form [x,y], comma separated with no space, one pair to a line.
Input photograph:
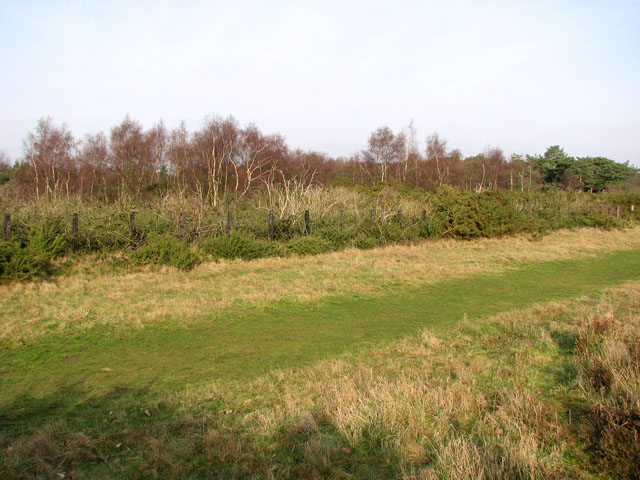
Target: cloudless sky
[520,75]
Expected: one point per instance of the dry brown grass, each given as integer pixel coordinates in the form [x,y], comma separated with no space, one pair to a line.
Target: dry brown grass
[480,402]
[464,407]
[43,454]
[132,300]
[608,353]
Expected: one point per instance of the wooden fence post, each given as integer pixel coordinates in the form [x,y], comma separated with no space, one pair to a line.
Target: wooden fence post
[229,223]
[424,215]
[7,227]
[74,231]
[182,226]
[342,218]
[271,226]
[132,226]
[307,222]
[373,214]
[618,212]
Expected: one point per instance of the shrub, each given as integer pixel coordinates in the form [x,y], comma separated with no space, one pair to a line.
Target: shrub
[490,214]
[597,219]
[433,227]
[41,230]
[366,243]
[391,232]
[18,263]
[338,237]
[240,246]
[166,251]
[309,245]
[30,255]
[286,228]
[47,240]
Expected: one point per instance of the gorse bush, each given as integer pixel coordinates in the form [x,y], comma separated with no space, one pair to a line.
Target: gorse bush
[596,219]
[309,245]
[48,239]
[240,246]
[106,234]
[467,216]
[365,243]
[43,229]
[286,228]
[18,263]
[337,237]
[30,254]
[166,250]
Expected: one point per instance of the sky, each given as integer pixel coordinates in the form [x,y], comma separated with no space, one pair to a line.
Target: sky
[519,75]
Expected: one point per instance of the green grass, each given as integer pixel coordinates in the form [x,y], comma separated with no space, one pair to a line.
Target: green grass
[66,376]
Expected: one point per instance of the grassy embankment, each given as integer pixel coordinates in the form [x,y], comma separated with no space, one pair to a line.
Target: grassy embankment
[298,366]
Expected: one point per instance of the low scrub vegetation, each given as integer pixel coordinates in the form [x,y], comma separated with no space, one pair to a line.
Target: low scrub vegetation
[364,217]
[309,245]
[30,255]
[166,251]
[240,246]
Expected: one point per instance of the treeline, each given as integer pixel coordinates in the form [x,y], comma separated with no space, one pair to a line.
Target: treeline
[224,158]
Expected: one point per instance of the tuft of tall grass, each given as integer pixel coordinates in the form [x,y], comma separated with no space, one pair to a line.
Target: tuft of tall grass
[608,359]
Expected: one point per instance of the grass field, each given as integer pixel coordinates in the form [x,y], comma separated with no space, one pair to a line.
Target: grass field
[445,359]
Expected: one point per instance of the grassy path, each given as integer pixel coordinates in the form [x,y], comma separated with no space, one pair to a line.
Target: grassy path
[70,374]
[147,296]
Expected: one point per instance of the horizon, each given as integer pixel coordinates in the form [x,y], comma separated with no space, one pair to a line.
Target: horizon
[520,77]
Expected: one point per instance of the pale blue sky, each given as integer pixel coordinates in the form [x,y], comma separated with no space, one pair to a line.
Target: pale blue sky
[518,75]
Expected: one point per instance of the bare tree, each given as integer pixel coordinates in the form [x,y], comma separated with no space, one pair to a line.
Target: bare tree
[128,155]
[5,161]
[94,164]
[485,171]
[495,167]
[383,149]
[259,155]
[49,151]
[409,149]
[157,140]
[436,154]
[216,146]
[180,157]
